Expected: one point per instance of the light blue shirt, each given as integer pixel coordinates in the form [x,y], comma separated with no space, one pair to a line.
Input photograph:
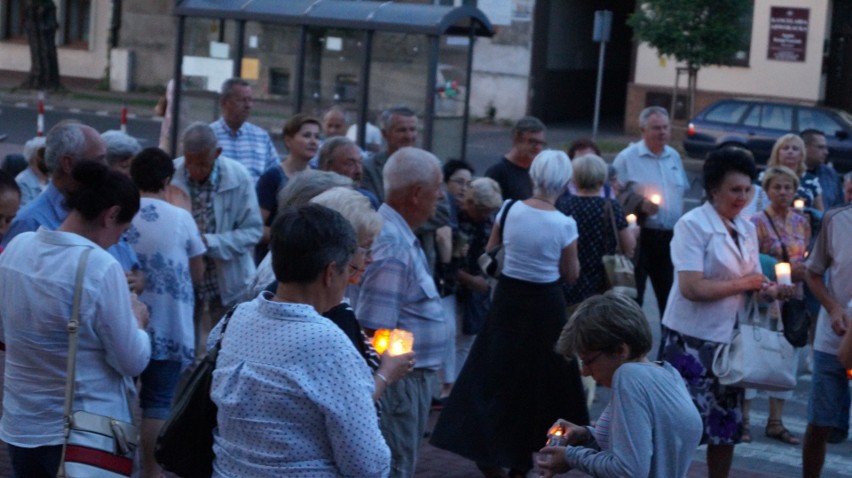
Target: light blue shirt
[251,146]
[663,175]
[48,210]
[294,397]
[398,291]
[30,185]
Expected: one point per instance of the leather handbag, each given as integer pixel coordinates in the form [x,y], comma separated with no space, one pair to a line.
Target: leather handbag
[619,268]
[794,314]
[491,262]
[757,357]
[95,445]
[185,443]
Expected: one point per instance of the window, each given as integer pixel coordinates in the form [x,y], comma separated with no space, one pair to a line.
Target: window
[279,81]
[728,113]
[776,117]
[741,57]
[76,17]
[815,119]
[13,20]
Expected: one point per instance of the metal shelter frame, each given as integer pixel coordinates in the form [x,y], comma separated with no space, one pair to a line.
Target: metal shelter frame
[367,16]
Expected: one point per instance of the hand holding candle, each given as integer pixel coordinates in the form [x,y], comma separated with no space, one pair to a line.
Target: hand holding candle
[401,342]
[631,220]
[799,204]
[783,273]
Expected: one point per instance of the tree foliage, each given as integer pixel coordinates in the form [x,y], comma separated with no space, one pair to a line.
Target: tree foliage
[696,32]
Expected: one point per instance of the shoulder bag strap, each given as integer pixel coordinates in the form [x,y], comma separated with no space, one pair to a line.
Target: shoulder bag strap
[784,254]
[608,212]
[503,218]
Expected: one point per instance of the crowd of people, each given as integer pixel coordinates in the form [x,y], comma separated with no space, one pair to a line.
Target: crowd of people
[315,251]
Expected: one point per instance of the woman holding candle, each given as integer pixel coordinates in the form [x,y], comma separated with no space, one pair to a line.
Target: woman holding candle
[650,427]
[594,215]
[783,234]
[715,254]
[789,151]
[513,385]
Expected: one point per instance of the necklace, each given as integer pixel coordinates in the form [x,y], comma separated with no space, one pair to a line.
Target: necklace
[543,200]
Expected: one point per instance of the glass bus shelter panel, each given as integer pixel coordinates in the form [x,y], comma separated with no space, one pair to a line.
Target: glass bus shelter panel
[399,72]
[269,64]
[208,55]
[450,97]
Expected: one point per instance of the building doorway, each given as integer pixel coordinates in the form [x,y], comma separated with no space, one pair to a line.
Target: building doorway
[838,89]
[563,71]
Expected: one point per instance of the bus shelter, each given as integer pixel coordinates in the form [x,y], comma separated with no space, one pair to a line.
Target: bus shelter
[309,55]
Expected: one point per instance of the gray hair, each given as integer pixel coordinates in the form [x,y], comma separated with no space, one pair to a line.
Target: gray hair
[590,172]
[409,166]
[228,86]
[550,172]
[485,194]
[355,207]
[199,137]
[64,139]
[309,183]
[32,146]
[329,147]
[527,124]
[388,114]
[603,323]
[119,146]
[645,114]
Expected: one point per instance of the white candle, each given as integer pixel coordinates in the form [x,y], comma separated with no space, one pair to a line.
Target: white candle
[799,203]
[782,273]
[631,220]
[656,199]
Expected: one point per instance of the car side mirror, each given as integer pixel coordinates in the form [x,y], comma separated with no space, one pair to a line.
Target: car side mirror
[841,134]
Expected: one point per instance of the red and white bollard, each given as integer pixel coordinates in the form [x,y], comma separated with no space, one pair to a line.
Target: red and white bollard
[124,119]
[40,118]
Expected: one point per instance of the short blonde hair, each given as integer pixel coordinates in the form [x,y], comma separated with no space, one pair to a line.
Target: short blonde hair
[775,172]
[485,194]
[590,172]
[353,206]
[788,138]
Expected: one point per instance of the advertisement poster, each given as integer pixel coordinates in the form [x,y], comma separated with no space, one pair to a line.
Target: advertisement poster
[788,34]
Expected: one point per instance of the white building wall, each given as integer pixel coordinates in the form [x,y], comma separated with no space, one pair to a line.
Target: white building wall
[763,77]
[500,78]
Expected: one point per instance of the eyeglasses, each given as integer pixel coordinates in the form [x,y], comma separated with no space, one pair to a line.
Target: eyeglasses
[590,361]
[461,182]
[367,252]
[353,269]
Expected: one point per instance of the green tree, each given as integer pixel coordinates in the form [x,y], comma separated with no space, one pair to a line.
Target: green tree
[696,32]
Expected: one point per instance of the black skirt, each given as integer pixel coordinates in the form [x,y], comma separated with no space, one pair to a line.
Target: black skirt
[513,385]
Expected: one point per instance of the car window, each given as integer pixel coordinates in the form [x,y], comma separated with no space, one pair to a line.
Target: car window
[730,112]
[814,119]
[753,118]
[776,117]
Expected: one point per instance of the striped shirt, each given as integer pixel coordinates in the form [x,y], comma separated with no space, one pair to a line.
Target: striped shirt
[251,146]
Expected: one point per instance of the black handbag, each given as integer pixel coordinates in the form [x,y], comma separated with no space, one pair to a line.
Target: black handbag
[491,262]
[793,311]
[185,443]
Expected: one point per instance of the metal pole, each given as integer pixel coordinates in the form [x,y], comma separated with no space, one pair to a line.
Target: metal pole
[176,93]
[364,90]
[429,114]
[601,56]
[300,69]
[240,49]
[471,38]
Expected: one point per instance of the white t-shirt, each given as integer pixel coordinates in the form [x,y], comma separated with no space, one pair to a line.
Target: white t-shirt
[534,240]
[701,243]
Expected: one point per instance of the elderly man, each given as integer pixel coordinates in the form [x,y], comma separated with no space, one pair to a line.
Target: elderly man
[32,180]
[334,122]
[398,292]
[294,395]
[399,128]
[658,174]
[340,155]
[816,153]
[244,142]
[224,206]
[512,171]
[66,145]
[829,273]
[121,148]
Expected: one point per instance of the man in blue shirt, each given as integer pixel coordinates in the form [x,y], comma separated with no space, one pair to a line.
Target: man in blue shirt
[816,152]
[240,140]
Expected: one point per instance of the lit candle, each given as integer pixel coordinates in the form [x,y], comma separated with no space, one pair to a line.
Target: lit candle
[782,273]
[799,203]
[381,338]
[556,436]
[401,342]
[656,199]
[631,220]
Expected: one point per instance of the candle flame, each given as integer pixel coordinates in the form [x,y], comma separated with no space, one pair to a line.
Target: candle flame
[556,430]
[799,203]
[381,338]
[656,199]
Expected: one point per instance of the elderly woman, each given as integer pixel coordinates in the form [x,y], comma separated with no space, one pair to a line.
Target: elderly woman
[594,215]
[789,151]
[293,394]
[650,426]
[37,282]
[715,254]
[783,234]
[169,247]
[302,139]
[120,150]
[32,180]
[514,385]
[10,202]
